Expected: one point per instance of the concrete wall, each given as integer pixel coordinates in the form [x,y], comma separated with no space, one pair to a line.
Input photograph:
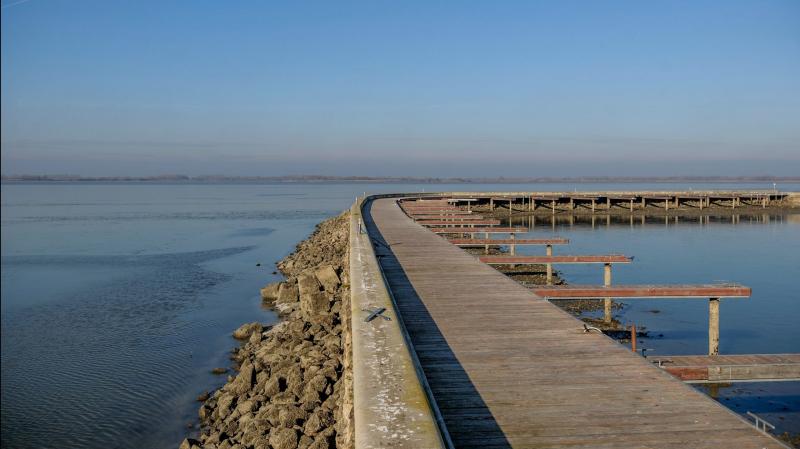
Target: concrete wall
[390,402]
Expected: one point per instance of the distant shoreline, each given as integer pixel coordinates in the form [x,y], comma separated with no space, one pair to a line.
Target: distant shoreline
[391,180]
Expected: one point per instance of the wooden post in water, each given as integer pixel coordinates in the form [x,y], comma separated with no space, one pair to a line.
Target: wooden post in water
[633,337]
[607,301]
[713,326]
[631,205]
[549,266]
[486,246]
[513,246]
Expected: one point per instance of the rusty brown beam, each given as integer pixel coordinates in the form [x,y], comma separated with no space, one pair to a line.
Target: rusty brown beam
[468,230]
[481,242]
[453,217]
[523,260]
[641,291]
[730,368]
[488,222]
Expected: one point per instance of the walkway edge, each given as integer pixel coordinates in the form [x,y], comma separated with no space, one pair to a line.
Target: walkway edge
[391,406]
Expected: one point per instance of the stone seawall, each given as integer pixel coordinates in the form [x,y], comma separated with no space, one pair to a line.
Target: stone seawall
[294,386]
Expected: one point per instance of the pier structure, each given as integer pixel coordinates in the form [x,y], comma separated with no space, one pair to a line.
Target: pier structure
[631,201]
[493,363]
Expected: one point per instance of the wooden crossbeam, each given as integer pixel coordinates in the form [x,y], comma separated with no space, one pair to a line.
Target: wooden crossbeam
[468,230]
[482,242]
[528,260]
[452,217]
[641,291]
[728,368]
[440,223]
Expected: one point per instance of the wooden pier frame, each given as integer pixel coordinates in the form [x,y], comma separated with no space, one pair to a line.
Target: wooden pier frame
[731,368]
[713,292]
[508,370]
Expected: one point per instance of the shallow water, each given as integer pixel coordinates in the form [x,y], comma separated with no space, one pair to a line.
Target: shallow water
[118,299]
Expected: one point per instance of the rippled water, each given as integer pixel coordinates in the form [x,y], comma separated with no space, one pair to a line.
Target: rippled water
[118,299]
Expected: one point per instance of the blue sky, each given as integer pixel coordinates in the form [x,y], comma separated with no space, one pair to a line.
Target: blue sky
[562,88]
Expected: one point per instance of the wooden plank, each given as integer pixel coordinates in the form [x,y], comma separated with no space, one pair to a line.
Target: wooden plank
[522,260]
[469,230]
[640,291]
[732,367]
[481,242]
[508,370]
[475,222]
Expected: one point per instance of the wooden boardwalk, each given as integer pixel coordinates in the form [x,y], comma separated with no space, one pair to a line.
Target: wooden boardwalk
[508,369]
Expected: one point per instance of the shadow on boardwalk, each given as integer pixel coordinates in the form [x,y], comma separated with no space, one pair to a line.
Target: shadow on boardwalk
[469,421]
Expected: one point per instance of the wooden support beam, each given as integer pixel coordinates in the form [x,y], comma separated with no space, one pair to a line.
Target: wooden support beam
[607,300]
[488,241]
[731,368]
[642,291]
[470,230]
[713,326]
[533,260]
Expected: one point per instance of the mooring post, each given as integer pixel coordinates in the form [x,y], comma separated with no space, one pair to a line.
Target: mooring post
[549,265]
[553,206]
[533,204]
[633,337]
[631,206]
[513,245]
[592,205]
[607,301]
[491,204]
[644,204]
[713,326]
[486,246]
[608,203]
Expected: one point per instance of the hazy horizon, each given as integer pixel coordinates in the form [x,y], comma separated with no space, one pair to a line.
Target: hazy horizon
[619,88]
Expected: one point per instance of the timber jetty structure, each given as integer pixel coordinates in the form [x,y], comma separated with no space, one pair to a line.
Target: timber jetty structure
[555,202]
[448,352]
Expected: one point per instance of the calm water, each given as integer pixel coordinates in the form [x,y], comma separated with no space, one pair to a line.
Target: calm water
[118,299]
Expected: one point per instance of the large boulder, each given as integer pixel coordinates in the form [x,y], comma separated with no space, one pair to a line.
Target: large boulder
[326,275]
[244,381]
[270,292]
[307,284]
[283,438]
[245,330]
[314,305]
[287,293]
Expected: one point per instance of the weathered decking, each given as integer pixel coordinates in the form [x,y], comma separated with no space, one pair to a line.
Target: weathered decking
[508,369]
[724,368]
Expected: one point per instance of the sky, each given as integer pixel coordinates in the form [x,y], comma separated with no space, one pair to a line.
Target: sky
[428,88]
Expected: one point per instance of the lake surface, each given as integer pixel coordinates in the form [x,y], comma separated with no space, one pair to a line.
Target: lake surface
[118,299]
